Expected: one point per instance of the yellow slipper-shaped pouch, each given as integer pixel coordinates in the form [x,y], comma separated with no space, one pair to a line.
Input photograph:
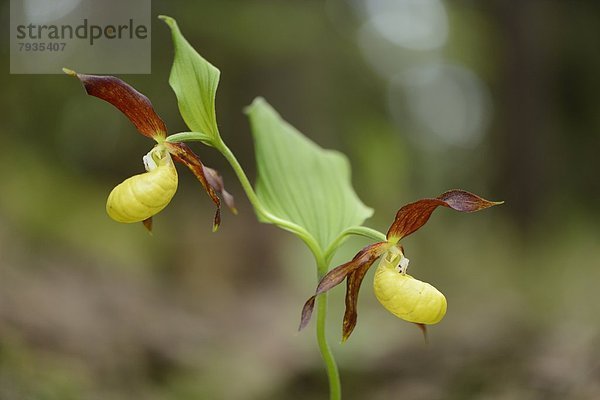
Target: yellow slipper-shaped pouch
[406,297]
[142,196]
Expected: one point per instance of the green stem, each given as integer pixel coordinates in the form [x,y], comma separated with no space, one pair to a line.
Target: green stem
[335,387]
[245,182]
[366,232]
[258,207]
[355,230]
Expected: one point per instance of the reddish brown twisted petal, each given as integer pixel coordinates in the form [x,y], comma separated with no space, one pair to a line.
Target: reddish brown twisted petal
[413,216]
[353,283]
[129,101]
[337,275]
[307,312]
[183,154]
[461,200]
[334,277]
[216,181]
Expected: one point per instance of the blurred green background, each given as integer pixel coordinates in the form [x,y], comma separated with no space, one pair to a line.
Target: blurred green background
[496,97]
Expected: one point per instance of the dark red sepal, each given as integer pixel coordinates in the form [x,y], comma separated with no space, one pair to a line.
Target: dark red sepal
[413,216]
[216,181]
[129,101]
[182,153]
[353,282]
[334,277]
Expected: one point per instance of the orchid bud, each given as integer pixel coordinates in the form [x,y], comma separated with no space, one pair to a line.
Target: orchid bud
[404,296]
[142,196]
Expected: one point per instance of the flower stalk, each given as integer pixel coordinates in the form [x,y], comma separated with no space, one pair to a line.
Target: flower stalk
[333,375]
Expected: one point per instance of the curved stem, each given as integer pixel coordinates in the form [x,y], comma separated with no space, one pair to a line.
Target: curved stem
[335,387]
[354,230]
[244,181]
[258,207]
[366,232]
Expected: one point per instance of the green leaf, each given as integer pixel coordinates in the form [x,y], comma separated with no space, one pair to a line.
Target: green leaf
[194,81]
[300,182]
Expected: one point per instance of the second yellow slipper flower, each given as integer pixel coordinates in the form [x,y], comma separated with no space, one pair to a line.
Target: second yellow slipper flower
[404,296]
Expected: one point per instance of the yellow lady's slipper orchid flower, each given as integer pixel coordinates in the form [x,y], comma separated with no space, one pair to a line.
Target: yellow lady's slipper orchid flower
[401,294]
[140,197]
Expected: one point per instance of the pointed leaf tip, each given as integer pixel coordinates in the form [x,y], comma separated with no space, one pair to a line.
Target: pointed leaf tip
[69,72]
[166,19]
[257,102]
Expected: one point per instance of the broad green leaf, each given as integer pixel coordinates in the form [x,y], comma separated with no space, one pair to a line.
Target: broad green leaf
[194,81]
[300,182]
